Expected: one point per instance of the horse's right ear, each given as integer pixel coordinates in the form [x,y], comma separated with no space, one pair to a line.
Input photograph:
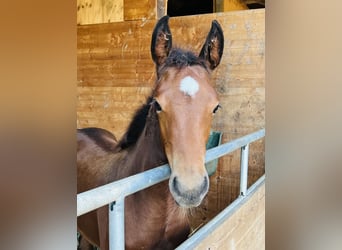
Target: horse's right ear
[161,41]
[213,47]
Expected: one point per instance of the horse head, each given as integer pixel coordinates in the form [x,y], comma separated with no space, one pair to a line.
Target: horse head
[185,101]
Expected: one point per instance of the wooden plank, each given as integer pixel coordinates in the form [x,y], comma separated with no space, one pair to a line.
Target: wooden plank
[161,8]
[229,5]
[110,108]
[138,10]
[103,51]
[244,230]
[99,11]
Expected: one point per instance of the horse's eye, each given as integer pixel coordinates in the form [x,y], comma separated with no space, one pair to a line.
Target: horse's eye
[216,108]
[157,106]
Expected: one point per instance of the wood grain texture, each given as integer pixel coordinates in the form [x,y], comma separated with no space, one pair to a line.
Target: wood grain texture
[110,108]
[99,11]
[229,5]
[142,9]
[244,230]
[116,73]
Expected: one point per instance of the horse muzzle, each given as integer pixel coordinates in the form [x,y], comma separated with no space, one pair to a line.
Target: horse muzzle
[188,196]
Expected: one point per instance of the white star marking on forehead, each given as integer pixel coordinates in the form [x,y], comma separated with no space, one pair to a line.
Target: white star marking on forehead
[189,86]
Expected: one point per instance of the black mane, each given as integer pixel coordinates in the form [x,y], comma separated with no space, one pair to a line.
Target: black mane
[136,126]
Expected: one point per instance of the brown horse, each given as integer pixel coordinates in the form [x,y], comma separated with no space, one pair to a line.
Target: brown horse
[171,127]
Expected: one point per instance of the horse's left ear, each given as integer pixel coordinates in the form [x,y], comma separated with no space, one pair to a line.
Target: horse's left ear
[161,41]
[213,47]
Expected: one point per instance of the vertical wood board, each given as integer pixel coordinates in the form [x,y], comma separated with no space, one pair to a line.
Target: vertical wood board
[99,11]
[142,9]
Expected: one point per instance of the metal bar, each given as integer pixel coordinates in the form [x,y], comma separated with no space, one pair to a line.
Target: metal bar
[244,169]
[117,225]
[208,228]
[233,145]
[101,196]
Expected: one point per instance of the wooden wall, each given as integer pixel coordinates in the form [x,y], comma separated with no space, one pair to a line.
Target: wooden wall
[243,230]
[116,74]
[107,11]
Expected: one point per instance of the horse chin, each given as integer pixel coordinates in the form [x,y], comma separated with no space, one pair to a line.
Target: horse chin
[186,203]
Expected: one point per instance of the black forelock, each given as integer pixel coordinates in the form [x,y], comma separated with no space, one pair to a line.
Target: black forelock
[180,58]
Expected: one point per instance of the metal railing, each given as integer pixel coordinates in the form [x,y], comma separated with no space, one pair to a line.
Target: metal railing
[219,219]
[114,193]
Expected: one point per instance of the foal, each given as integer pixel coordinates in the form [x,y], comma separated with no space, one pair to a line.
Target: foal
[171,127]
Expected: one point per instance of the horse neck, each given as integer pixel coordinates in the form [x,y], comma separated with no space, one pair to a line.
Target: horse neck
[155,204]
[148,152]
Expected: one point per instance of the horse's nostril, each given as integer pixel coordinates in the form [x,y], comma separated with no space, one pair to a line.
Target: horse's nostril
[175,185]
[205,184]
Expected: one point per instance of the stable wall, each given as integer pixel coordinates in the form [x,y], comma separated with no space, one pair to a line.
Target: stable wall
[116,74]
[107,11]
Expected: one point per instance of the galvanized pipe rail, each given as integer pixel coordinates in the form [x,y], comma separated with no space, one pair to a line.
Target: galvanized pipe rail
[114,193]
